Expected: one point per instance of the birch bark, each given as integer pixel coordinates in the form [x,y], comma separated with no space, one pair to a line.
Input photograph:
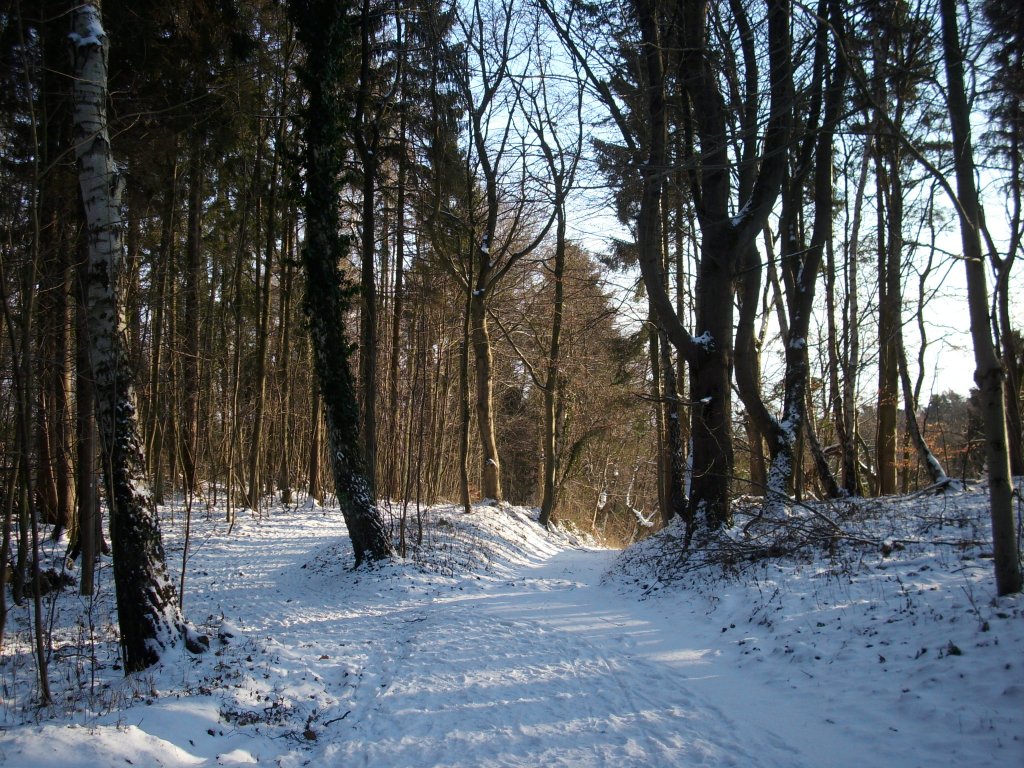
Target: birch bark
[147,602]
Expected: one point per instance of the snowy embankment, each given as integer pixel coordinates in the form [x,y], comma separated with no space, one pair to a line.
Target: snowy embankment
[505,645]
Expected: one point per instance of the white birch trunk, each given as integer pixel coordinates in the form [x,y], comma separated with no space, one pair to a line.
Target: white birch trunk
[148,613]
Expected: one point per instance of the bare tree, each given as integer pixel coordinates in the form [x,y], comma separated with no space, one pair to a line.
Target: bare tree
[800,261]
[988,374]
[508,231]
[562,158]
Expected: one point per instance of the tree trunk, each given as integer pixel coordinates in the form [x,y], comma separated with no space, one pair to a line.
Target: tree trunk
[657,396]
[367,142]
[825,476]
[324,31]
[483,359]
[256,447]
[711,391]
[315,487]
[988,374]
[930,461]
[284,484]
[90,529]
[758,467]
[368,319]
[188,445]
[10,486]
[464,412]
[549,469]
[889,226]
[675,463]
[147,602]
[851,323]
[54,436]
[154,417]
[398,303]
[834,356]
[236,439]
[57,208]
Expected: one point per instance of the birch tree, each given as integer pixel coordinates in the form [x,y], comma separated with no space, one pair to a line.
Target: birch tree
[149,615]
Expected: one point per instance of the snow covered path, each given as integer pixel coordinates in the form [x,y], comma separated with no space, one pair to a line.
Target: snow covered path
[537,663]
[548,668]
[539,670]
[511,650]
[540,663]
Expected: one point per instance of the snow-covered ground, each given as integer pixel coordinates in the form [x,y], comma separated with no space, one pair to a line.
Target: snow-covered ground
[501,644]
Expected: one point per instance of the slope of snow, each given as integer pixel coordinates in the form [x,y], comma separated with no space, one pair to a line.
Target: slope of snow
[496,643]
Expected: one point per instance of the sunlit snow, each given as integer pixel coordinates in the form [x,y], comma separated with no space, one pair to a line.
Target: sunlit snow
[498,643]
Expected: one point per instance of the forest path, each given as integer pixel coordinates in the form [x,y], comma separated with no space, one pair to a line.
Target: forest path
[506,646]
[513,651]
[549,668]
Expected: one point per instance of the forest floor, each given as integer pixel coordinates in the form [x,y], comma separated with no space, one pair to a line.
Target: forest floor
[501,644]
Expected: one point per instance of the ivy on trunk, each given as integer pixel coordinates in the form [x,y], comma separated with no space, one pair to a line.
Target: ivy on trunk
[323,28]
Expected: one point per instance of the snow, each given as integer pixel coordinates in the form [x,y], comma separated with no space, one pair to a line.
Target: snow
[705,340]
[80,41]
[740,217]
[498,643]
[94,33]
